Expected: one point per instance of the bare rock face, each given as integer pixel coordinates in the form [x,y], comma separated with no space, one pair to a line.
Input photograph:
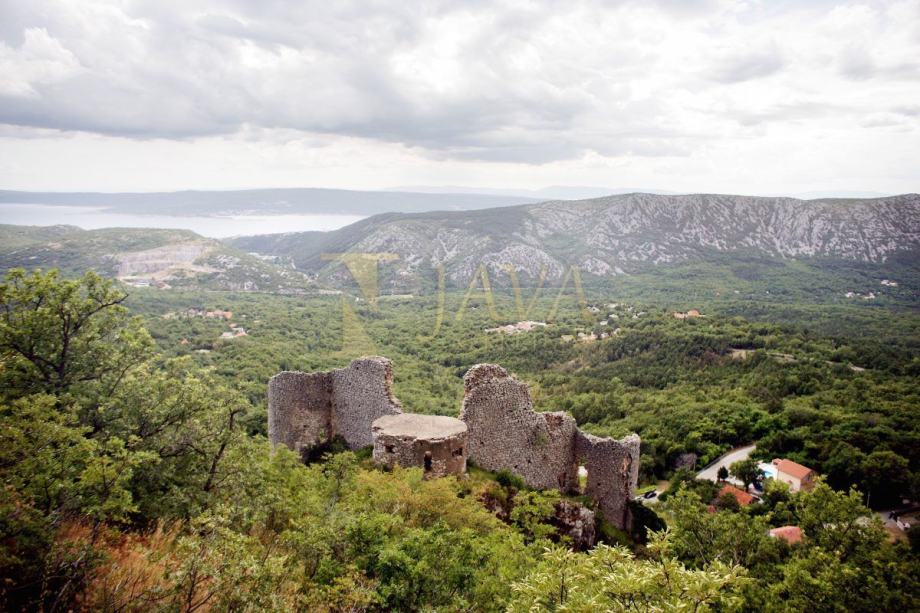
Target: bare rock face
[435,443]
[575,521]
[506,433]
[685,460]
[307,409]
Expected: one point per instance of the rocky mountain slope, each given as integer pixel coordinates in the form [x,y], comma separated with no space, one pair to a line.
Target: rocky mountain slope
[615,235]
[161,258]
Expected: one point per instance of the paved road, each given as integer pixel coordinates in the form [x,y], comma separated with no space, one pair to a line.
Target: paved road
[710,472]
[891,524]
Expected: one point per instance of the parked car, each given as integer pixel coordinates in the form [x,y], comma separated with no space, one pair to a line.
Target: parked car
[651,494]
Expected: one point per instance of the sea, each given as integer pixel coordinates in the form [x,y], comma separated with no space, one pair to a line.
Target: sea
[92,218]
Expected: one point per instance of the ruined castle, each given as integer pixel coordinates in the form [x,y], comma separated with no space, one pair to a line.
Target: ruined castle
[498,430]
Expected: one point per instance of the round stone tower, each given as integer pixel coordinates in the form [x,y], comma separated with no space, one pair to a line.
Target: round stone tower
[436,444]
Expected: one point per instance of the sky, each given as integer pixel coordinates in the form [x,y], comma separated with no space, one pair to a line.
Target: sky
[729,96]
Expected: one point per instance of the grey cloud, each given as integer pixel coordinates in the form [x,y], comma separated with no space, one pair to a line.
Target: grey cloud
[182,69]
[910,110]
[858,64]
[794,110]
[173,72]
[752,66]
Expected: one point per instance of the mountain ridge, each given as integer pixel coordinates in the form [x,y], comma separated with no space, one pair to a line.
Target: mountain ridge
[613,235]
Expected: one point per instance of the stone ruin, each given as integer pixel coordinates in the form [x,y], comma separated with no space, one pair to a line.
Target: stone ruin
[436,443]
[309,409]
[545,449]
[498,430]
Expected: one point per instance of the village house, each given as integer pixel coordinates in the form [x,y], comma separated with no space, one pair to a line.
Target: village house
[790,534]
[796,476]
[521,326]
[743,498]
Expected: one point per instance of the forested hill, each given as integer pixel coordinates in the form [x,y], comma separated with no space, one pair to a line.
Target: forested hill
[606,237]
[145,256]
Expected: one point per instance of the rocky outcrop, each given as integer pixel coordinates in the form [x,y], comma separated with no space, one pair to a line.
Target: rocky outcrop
[575,522]
[616,234]
[685,460]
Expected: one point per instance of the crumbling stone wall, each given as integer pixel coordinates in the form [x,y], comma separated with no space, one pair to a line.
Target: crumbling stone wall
[361,393]
[307,409]
[613,471]
[506,433]
[545,449]
[503,432]
[300,409]
[436,444]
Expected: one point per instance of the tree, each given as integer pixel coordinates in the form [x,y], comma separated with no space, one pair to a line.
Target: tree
[838,521]
[727,502]
[913,537]
[722,473]
[747,471]
[71,336]
[612,579]
[54,476]
[700,538]
[882,578]
[94,433]
[886,475]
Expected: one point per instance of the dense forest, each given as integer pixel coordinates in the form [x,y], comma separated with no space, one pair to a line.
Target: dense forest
[137,476]
[795,384]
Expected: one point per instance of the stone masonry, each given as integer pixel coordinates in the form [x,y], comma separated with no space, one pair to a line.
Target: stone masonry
[361,393]
[545,449]
[498,429]
[506,433]
[613,472]
[435,443]
[308,409]
[300,409]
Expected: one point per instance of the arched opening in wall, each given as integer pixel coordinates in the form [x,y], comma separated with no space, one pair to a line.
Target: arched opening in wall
[582,478]
[427,461]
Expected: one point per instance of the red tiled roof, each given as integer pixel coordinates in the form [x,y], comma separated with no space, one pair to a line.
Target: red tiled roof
[741,496]
[791,468]
[790,534]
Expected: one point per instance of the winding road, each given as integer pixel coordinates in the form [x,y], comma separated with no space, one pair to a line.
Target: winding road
[710,472]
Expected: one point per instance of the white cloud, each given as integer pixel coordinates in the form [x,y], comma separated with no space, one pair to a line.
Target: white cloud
[506,91]
[40,61]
